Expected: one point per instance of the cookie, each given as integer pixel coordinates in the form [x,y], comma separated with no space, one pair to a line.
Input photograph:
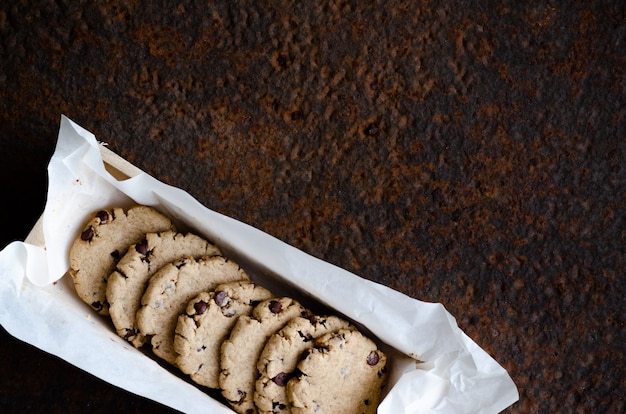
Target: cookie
[343,373]
[128,282]
[171,288]
[280,357]
[102,243]
[241,351]
[207,322]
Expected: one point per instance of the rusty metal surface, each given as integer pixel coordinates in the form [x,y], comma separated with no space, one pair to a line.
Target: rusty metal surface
[472,153]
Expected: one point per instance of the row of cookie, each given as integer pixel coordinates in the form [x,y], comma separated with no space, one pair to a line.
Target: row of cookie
[119,252]
[201,313]
[271,355]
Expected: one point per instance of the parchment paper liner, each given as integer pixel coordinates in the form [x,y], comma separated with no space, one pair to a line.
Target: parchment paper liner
[38,304]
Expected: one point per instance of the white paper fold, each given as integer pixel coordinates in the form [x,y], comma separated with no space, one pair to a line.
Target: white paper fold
[457,376]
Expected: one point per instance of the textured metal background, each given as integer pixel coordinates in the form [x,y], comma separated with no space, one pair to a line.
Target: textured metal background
[466,152]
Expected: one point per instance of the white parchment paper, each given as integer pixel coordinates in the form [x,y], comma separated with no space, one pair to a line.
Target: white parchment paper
[38,304]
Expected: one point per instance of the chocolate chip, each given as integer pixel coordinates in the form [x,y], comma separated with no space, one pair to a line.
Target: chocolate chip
[103,215]
[276,306]
[281,379]
[200,307]
[116,255]
[142,247]
[373,358]
[87,234]
[313,319]
[221,298]
[278,406]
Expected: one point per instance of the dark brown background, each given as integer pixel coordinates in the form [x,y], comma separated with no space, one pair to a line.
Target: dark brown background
[471,153]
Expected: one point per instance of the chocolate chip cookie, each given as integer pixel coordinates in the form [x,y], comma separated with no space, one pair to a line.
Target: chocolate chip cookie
[280,357]
[343,373]
[102,243]
[207,322]
[241,351]
[128,282]
[169,291]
